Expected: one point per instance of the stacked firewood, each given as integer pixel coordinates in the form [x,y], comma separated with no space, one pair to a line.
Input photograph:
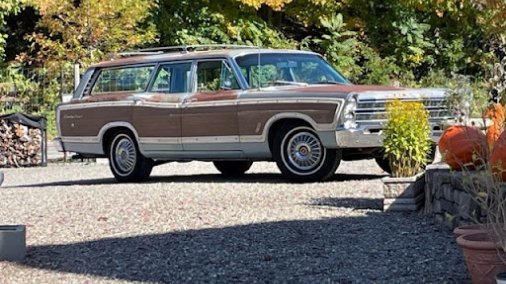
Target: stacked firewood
[20,145]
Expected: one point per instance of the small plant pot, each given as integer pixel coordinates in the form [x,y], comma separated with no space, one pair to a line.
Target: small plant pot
[500,278]
[469,229]
[482,257]
[12,242]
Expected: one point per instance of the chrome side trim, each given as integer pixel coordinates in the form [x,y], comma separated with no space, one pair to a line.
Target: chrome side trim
[158,104]
[210,139]
[96,104]
[191,104]
[160,140]
[154,140]
[262,101]
[288,100]
[80,139]
[251,138]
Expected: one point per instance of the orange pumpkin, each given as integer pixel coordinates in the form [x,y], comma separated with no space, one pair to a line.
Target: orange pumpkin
[498,158]
[463,146]
[496,113]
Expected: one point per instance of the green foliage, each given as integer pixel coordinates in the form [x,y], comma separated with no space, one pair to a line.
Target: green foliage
[87,30]
[406,137]
[377,70]
[23,90]
[6,7]
[205,22]
[412,43]
[339,45]
[354,58]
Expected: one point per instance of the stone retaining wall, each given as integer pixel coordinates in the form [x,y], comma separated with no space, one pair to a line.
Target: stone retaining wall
[446,200]
[403,194]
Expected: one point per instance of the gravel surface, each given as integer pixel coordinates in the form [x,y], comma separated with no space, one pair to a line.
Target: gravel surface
[190,225]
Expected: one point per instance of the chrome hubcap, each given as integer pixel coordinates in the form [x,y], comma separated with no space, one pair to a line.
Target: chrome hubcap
[125,155]
[304,151]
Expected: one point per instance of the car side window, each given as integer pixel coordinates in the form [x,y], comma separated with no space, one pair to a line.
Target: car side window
[267,74]
[127,79]
[172,78]
[215,75]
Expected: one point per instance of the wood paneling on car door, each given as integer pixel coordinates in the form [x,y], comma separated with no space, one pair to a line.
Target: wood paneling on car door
[209,122]
[88,121]
[252,118]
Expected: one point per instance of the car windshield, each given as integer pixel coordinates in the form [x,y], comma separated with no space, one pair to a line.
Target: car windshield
[277,69]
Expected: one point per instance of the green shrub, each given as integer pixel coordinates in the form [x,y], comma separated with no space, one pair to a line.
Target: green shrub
[32,91]
[406,137]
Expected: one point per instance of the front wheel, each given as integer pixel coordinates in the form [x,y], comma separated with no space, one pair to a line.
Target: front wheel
[301,156]
[233,168]
[126,162]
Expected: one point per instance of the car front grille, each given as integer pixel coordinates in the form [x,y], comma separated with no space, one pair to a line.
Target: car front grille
[374,111]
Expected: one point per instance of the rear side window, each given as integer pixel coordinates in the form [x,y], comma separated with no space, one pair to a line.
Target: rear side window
[216,75]
[172,78]
[128,79]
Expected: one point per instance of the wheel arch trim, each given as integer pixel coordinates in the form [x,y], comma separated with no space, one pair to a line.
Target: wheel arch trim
[118,124]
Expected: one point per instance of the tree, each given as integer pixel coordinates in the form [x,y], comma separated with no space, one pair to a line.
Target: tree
[6,7]
[87,30]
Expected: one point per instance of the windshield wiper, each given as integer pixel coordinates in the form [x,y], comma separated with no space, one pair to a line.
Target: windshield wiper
[330,82]
[290,83]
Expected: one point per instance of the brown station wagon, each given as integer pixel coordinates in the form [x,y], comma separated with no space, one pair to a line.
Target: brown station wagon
[231,105]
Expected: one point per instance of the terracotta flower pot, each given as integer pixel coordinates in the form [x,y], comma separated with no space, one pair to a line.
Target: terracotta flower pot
[469,229]
[482,257]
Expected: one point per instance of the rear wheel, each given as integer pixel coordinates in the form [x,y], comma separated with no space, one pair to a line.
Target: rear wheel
[126,162]
[301,156]
[233,168]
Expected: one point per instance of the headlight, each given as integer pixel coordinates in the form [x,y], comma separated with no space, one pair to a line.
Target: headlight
[349,113]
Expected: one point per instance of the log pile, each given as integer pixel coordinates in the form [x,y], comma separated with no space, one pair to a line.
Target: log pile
[20,145]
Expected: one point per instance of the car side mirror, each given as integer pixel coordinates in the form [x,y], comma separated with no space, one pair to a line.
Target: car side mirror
[226,85]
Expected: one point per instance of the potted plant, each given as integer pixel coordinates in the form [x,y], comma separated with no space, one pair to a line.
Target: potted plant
[484,252]
[407,144]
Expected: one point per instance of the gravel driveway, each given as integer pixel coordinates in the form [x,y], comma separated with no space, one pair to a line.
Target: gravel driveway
[190,225]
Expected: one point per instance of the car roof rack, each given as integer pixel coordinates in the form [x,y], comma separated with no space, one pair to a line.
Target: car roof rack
[181,49]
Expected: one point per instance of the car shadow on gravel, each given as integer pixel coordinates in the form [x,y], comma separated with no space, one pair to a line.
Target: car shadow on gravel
[379,248]
[200,178]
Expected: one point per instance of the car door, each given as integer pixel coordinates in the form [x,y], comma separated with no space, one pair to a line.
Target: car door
[158,118]
[209,121]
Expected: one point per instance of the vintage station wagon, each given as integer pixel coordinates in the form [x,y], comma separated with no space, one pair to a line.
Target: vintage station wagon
[231,105]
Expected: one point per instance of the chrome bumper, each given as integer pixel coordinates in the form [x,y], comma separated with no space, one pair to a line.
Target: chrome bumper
[362,138]
[358,138]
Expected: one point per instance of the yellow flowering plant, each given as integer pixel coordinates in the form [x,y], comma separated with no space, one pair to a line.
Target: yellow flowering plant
[406,137]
